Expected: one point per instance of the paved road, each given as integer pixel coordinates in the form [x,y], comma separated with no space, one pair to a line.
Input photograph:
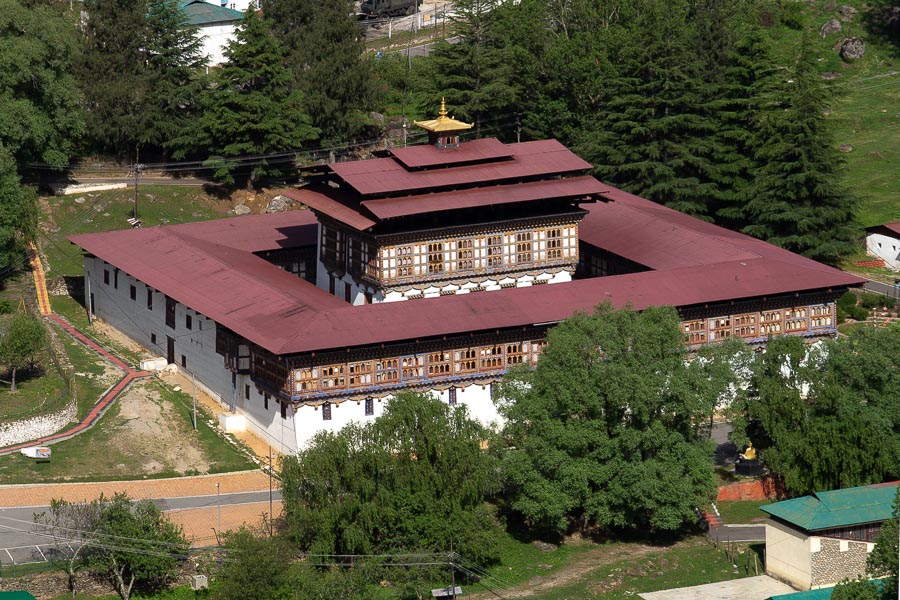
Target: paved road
[19,543]
[890,291]
[738,533]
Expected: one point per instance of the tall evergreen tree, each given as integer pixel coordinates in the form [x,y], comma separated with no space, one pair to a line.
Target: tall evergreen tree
[653,135]
[113,74]
[798,201]
[174,63]
[252,107]
[325,46]
[475,73]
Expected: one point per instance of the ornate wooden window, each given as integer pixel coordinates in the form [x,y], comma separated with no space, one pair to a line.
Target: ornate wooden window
[745,325]
[333,377]
[306,381]
[404,261]
[387,370]
[524,247]
[515,353]
[370,407]
[695,331]
[465,255]
[360,374]
[465,361]
[435,258]
[795,319]
[326,412]
[492,358]
[495,251]
[439,364]
[719,328]
[535,350]
[412,367]
[554,244]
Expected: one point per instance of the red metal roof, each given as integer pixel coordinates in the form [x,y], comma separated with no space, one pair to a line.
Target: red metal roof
[892,228]
[530,159]
[426,155]
[550,189]
[256,233]
[331,207]
[208,267]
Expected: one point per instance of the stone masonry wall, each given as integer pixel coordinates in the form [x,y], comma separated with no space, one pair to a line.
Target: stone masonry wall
[830,565]
[33,428]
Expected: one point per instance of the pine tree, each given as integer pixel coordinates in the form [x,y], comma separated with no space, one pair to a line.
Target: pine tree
[748,71]
[325,46]
[112,73]
[252,108]
[798,201]
[475,73]
[174,63]
[652,135]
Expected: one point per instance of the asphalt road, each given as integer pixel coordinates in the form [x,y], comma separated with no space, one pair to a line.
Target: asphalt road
[891,291]
[738,533]
[20,544]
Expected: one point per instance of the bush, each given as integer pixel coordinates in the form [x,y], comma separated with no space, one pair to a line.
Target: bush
[869,300]
[7,307]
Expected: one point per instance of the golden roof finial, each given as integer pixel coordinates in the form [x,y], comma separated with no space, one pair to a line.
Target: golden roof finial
[443,122]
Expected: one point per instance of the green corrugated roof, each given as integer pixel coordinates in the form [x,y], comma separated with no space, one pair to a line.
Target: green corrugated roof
[819,594]
[199,13]
[21,595]
[837,508]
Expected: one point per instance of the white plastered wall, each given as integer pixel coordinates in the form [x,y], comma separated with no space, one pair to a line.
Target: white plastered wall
[788,555]
[882,246]
[215,38]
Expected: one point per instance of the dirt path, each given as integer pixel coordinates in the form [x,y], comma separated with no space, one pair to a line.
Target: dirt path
[578,570]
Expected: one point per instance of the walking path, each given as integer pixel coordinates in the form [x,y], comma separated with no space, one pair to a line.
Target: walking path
[200,485]
[40,283]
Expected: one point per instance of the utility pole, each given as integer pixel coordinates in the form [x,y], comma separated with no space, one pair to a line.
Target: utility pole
[271,514]
[194,398]
[219,506]
[138,169]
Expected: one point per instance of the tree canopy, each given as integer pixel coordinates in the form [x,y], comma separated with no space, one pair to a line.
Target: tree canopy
[413,480]
[826,417]
[602,433]
[24,338]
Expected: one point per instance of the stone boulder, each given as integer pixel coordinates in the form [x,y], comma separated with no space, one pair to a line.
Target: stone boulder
[852,49]
[242,209]
[279,204]
[829,27]
[847,12]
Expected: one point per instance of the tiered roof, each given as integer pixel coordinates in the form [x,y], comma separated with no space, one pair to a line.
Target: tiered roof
[209,267]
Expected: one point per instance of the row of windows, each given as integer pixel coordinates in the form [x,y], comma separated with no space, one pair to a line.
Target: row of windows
[170,303]
[462,255]
[433,365]
[758,324]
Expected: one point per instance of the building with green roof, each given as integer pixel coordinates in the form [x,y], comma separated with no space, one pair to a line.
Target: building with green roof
[216,26]
[819,540]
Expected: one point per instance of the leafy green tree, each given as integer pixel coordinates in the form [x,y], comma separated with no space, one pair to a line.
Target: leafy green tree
[602,433]
[325,46]
[72,525]
[146,550]
[25,337]
[39,99]
[415,479]
[257,567]
[857,590]
[798,201]
[882,561]
[251,108]
[18,215]
[826,417]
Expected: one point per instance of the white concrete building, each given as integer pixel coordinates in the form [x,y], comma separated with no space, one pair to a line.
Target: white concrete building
[216,26]
[883,241]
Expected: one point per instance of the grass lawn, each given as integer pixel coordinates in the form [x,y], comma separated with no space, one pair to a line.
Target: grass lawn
[692,562]
[107,211]
[110,451]
[747,511]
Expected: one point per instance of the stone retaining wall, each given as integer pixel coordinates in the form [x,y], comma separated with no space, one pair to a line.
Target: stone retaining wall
[758,489]
[17,432]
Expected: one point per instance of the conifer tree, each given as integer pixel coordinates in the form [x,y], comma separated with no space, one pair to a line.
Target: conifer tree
[325,45]
[252,107]
[112,73]
[174,63]
[475,73]
[652,135]
[798,201]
